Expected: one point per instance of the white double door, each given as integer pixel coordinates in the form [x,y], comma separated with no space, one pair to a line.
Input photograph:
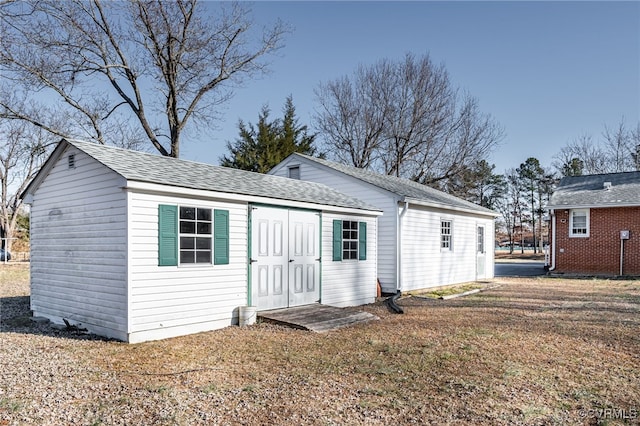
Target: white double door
[285,257]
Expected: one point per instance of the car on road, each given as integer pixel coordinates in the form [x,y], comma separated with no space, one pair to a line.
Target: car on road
[4,255]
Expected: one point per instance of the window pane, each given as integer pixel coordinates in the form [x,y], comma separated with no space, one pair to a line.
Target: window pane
[187,213]
[203,257]
[187,227]
[579,221]
[203,243]
[204,228]
[204,214]
[187,243]
[187,257]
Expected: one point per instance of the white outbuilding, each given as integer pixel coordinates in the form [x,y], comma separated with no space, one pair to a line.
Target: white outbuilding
[135,246]
[426,238]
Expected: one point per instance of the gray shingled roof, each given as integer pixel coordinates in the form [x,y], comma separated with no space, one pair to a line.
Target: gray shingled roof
[404,188]
[589,191]
[145,167]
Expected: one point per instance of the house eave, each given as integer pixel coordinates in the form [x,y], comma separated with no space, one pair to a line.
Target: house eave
[146,187]
[589,206]
[431,204]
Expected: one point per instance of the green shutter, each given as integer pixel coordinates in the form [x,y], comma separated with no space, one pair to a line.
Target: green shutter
[337,240]
[221,237]
[167,235]
[362,241]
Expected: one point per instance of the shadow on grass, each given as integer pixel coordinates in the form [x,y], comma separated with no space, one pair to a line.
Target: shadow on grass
[15,317]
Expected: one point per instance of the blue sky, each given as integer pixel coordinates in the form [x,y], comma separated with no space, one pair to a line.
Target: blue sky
[547,71]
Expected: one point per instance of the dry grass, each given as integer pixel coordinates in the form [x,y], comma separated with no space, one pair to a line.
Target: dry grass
[537,352]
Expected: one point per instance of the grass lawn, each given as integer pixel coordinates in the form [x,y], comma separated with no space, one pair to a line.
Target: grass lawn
[537,351]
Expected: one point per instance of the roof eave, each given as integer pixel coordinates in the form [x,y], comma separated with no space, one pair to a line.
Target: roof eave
[149,187]
[424,203]
[590,206]
[31,188]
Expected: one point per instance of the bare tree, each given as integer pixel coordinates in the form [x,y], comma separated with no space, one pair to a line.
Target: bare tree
[164,64]
[23,149]
[405,119]
[618,150]
[352,114]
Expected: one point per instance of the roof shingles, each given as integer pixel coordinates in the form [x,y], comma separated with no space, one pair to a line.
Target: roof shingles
[404,188]
[150,168]
[590,191]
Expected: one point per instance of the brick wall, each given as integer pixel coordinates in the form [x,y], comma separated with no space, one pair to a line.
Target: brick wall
[600,252]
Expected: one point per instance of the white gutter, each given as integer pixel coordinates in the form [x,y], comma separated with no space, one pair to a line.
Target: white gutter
[595,206]
[453,208]
[401,214]
[553,240]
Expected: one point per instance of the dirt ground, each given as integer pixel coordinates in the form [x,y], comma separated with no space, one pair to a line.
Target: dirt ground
[540,351]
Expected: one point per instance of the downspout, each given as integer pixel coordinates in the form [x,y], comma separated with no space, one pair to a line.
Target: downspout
[391,302]
[553,240]
[401,214]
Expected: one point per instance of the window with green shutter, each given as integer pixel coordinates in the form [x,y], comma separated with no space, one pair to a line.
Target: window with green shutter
[191,235]
[337,240]
[349,240]
[221,237]
[167,235]
[362,241]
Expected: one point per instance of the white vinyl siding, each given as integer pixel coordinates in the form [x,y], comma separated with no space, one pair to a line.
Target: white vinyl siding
[348,283]
[446,234]
[383,200]
[168,301]
[579,223]
[425,263]
[78,246]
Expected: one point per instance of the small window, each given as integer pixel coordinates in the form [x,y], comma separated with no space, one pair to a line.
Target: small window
[480,248]
[195,235]
[446,234]
[579,223]
[349,239]
[71,161]
[294,172]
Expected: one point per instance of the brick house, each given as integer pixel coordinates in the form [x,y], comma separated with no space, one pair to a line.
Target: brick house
[595,225]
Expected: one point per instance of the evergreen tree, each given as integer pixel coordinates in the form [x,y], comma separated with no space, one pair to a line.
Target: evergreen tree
[260,148]
[573,167]
[478,184]
[531,174]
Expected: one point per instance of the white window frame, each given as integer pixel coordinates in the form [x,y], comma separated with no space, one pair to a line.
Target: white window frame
[195,235]
[573,234]
[446,238]
[350,240]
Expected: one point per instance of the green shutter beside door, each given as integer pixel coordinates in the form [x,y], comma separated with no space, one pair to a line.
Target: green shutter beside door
[337,240]
[221,237]
[167,235]
[362,241]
